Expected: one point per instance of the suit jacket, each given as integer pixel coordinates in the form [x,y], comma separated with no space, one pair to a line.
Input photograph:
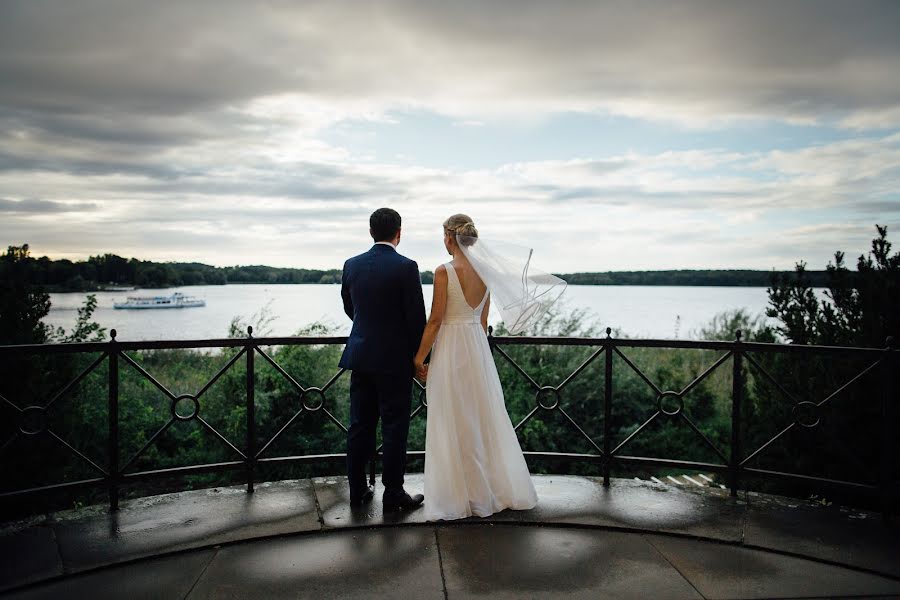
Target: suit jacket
[382,294]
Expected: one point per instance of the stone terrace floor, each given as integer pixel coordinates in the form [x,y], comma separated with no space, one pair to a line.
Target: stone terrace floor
[299,539]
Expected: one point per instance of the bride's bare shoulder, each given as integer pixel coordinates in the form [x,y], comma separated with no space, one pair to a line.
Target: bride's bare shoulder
[440,277]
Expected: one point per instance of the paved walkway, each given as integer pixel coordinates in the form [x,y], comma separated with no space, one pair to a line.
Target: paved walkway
[299,539]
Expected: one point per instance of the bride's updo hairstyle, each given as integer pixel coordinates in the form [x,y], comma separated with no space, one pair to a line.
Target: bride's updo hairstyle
[464,226]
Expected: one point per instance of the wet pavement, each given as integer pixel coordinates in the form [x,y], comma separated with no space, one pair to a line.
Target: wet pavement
[299,539]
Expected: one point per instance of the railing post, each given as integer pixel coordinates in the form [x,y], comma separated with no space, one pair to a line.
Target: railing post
[113,417]
[607,406]
[887,425]
[251,410]
[737,392]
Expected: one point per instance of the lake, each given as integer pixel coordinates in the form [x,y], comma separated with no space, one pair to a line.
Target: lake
[635,311]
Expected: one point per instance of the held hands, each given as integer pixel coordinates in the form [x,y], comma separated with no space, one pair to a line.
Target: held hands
[421,369]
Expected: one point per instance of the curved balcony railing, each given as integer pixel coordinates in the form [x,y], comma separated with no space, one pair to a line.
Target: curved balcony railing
[734,462]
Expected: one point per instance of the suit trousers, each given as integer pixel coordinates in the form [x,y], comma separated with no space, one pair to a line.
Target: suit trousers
[374,395]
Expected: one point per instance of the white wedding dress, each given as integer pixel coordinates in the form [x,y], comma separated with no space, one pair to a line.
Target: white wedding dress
[473,462]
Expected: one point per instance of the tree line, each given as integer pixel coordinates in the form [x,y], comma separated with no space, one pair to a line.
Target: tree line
[695,277]
[100,271]
[97,272]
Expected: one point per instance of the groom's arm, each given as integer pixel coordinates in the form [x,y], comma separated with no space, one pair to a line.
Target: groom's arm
[414,305]
[345,293]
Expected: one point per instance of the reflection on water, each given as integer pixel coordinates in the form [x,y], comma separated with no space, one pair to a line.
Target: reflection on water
[636,311]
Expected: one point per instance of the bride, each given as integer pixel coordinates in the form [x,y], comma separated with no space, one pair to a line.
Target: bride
[473,462]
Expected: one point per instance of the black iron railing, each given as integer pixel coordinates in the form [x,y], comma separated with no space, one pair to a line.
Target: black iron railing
[733,463]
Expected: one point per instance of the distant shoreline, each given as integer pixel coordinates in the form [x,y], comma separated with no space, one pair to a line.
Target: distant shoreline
[430,281]
[109,271]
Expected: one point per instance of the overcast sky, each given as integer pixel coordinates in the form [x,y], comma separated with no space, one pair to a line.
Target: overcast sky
[607,135]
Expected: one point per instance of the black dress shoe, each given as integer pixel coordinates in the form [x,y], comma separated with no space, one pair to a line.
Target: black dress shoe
[364,497]
[401,501]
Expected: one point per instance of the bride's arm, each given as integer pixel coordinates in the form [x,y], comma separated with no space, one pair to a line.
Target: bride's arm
[438,306]
[484,313]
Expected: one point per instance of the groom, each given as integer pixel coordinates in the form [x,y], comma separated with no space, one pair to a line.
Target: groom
[382,294]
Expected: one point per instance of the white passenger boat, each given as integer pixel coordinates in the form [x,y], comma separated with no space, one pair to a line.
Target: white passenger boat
[177,300]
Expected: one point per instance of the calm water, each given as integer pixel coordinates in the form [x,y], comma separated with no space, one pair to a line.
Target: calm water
[637,311]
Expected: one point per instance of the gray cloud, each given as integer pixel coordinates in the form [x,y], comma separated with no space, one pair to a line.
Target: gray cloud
[84,165]
[119,82]
[631,194]
[94,56]
[96,87]
[34,206]
[786,59]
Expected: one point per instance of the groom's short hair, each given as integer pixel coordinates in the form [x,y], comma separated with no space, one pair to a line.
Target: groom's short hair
[384,224]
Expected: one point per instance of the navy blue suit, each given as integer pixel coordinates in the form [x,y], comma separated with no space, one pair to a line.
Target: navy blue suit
[382,293]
